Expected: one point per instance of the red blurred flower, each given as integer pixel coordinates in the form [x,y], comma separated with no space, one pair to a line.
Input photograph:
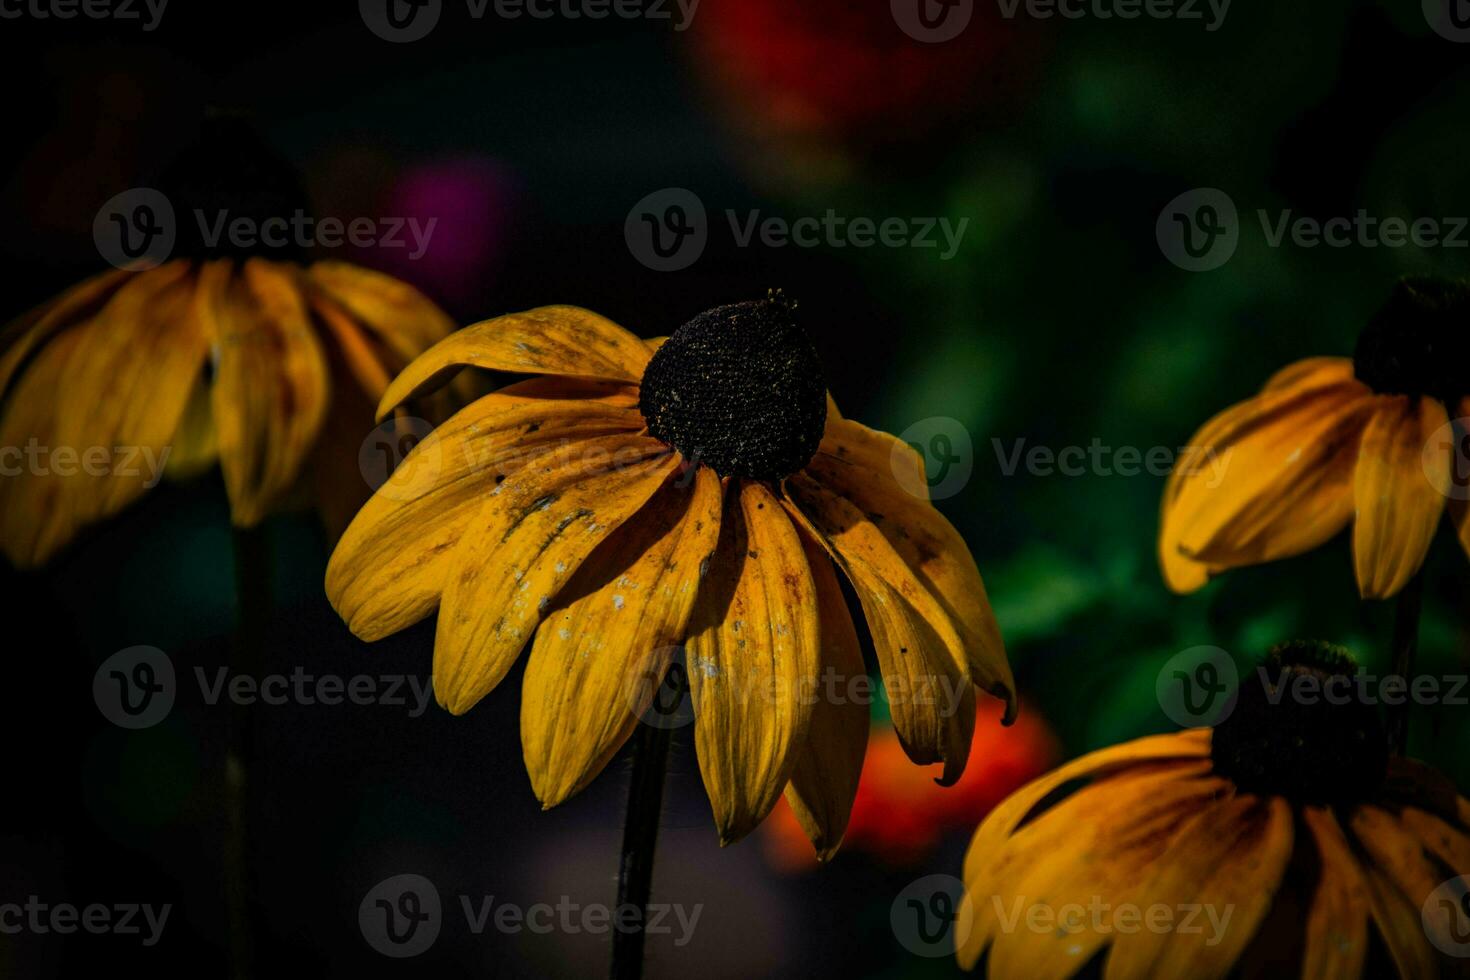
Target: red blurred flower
[900,812]
[835,69]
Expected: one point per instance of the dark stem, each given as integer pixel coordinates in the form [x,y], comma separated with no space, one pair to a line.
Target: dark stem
[252,590]
[640,837]
[1405,647]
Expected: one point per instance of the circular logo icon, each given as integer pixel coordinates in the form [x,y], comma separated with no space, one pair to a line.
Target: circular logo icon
[1199,230]
[930,917]
[400,21]
[394,449]
[667,230]
[1446,917]
[1449,18]
[134,688]
[658,693]
[1198,687]
[1451,442]
[401,916]
[932,21]
[945,458]
[135,230]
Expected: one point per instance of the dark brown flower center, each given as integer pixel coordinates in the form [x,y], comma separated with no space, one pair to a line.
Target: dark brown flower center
[739,389]
[1302,729]
[1418,342]
[234,197]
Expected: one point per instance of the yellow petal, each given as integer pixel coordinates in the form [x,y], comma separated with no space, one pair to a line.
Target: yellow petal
[1398,493]
[78,304]
[829,762]
[921,656]
[602,650]
[1099,843]
[270,389]
[563,340]
[401,316]
[1311,372]
[390,567]
[753,655]
[1230,861]
[1267,479]
[1400,923]
[880,474]
[1337,918]
[534,531]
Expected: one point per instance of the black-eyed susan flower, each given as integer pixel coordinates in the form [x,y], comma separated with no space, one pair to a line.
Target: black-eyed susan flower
[627,502]
[1285,841]
[246,358]
[1330,441]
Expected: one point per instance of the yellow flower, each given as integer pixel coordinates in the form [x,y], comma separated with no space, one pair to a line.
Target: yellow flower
[269,368]
[628,502]
[1328,441]
[1284,840]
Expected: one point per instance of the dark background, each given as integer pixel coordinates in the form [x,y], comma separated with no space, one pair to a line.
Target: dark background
[1059,321]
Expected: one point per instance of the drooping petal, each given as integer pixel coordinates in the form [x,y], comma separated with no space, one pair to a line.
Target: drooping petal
[829,762]
[1229,861]
[920,653]
[391,564]
[1398,492]
[564,340]
[533,532]
[602,650]
[402,317]
[1267,479]
[881,475]
[753,658]
[1337,918]
[78,304]
[1401,925]
[270,390]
